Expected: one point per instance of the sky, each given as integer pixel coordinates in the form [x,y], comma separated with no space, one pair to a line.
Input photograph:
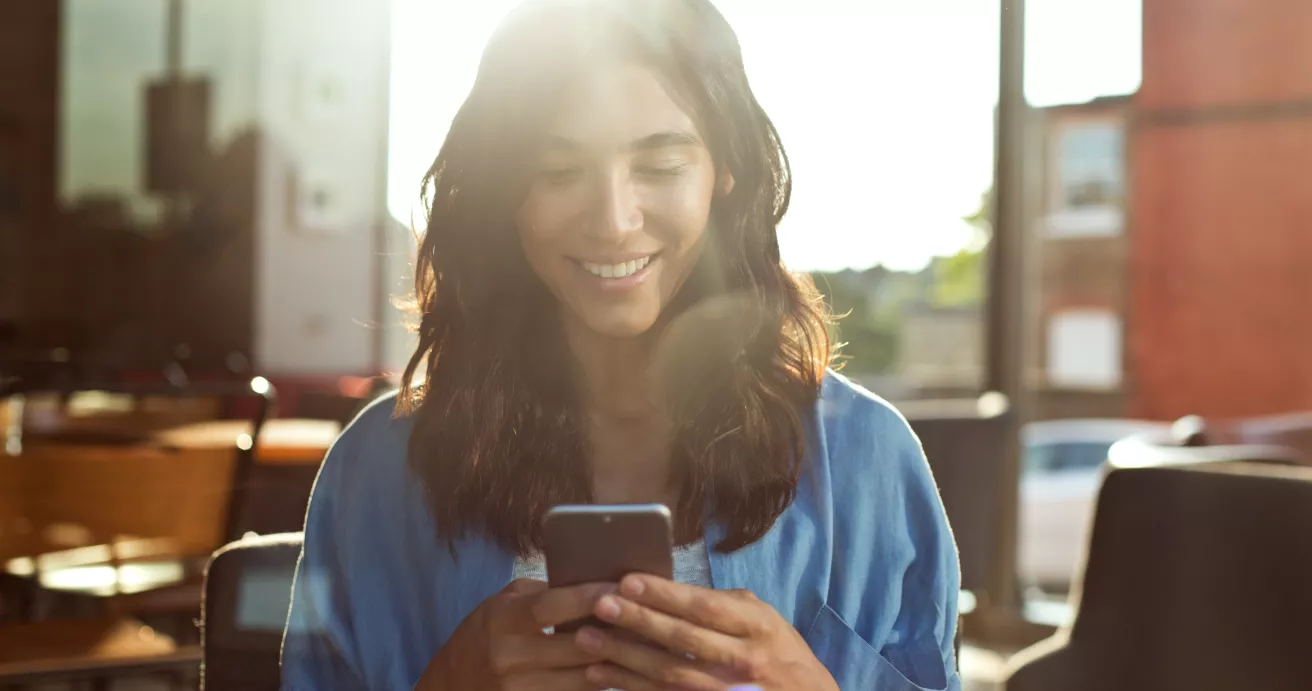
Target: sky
[889,151]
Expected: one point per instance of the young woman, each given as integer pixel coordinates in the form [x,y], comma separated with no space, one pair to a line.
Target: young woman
[604,318]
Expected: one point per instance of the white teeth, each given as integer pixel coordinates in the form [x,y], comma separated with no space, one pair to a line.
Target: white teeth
[617,270]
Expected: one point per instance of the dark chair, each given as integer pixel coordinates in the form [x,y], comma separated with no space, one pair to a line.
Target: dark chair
[1196,579]
[965,451]
[247,596]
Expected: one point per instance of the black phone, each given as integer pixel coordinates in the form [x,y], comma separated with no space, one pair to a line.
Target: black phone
[597,543]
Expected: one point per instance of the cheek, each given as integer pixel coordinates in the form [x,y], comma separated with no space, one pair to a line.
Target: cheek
[541,222]
[686,213]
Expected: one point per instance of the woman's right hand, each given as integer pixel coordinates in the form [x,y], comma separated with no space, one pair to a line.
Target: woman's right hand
[501,645]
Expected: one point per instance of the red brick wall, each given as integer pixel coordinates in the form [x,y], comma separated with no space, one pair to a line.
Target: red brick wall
[1221,210]
[1209,52]
[1221,269]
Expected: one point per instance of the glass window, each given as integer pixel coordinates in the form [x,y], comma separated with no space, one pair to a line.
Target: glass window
[1090,168]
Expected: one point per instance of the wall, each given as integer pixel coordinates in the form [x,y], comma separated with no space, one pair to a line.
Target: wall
[1221,210]
[942,349]
[29,248]
[1079,263]
[323,99]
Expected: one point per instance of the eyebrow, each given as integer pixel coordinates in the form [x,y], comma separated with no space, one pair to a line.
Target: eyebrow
[658,140]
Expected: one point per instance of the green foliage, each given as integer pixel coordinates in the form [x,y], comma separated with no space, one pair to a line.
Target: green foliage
[869,303]
[959,279]
[867,332]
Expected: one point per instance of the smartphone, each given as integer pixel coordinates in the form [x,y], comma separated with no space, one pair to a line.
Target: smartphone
[595,543]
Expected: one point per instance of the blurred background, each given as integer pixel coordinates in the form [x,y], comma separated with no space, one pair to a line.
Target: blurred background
[1072,241]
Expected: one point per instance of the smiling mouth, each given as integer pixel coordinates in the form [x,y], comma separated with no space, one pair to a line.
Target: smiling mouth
[619,270]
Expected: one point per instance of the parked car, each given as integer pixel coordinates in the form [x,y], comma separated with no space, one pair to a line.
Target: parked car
[1061,470]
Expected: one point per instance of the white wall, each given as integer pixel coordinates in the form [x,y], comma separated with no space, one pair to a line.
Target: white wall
[323,99]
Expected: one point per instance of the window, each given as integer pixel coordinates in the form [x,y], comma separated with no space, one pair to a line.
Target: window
[1089,180]
[1084,350]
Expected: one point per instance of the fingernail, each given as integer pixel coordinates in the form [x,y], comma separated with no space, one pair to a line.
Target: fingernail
[748,687]
[632,586]
[595,674]
[590,640]
[608,608]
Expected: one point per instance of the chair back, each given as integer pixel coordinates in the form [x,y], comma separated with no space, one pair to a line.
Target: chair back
[1197,578]
[78,495]
[247,597]
[965,452]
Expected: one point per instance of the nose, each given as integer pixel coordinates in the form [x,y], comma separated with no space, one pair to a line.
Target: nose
[618,211]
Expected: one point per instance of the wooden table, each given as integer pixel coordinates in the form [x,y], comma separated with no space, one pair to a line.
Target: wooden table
[287,441]
[44,651]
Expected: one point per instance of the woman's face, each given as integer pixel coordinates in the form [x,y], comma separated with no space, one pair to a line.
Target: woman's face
[616,215]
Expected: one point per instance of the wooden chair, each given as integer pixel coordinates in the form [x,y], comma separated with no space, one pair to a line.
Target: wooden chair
[86,505]
[162,492]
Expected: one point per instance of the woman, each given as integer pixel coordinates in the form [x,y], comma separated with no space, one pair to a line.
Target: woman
[604,318]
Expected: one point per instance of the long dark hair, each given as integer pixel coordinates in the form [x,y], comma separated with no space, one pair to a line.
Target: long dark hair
[498,436]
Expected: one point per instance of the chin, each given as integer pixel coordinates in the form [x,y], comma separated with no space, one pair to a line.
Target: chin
[618,326]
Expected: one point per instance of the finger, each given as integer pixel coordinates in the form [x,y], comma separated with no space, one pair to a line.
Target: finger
[519,653]
[672,633]
[551,680]
[525,586]
[736,613]
[659,665]
[607,675]
[556,606]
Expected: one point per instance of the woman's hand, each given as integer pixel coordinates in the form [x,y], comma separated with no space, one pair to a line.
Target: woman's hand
[697,639]
[501,645]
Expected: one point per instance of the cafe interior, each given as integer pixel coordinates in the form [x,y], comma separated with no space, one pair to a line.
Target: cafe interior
[178,355]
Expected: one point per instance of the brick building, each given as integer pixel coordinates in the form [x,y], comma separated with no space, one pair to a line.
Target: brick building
[1079,248]
[1180,287]
[1220,237]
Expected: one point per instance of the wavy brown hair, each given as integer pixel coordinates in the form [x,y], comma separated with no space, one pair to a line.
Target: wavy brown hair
[498,436]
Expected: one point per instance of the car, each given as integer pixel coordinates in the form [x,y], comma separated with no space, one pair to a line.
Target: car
[1061,471]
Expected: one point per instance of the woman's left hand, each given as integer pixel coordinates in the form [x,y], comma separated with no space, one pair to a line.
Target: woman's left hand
[686,637]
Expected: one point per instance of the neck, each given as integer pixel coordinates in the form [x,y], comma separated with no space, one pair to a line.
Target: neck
[613,373]
[627,431]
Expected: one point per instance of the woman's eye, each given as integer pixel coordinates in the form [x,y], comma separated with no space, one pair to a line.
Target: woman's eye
[559,176]
[662,171]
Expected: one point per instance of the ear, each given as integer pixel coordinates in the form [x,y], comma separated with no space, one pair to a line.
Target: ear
[724,185]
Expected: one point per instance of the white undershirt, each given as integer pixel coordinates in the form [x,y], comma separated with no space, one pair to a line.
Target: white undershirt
[691,565]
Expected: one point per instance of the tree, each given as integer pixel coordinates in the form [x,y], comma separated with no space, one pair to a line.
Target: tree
[959,279]
[869,337]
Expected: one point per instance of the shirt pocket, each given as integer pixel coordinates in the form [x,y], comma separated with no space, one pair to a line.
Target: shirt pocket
[857,666]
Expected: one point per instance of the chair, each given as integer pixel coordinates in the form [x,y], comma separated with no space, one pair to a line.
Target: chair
[965,452]
[1196,578]
[247,597]
[272,488]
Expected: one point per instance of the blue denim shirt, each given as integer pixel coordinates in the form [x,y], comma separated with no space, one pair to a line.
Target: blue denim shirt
[862,563]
